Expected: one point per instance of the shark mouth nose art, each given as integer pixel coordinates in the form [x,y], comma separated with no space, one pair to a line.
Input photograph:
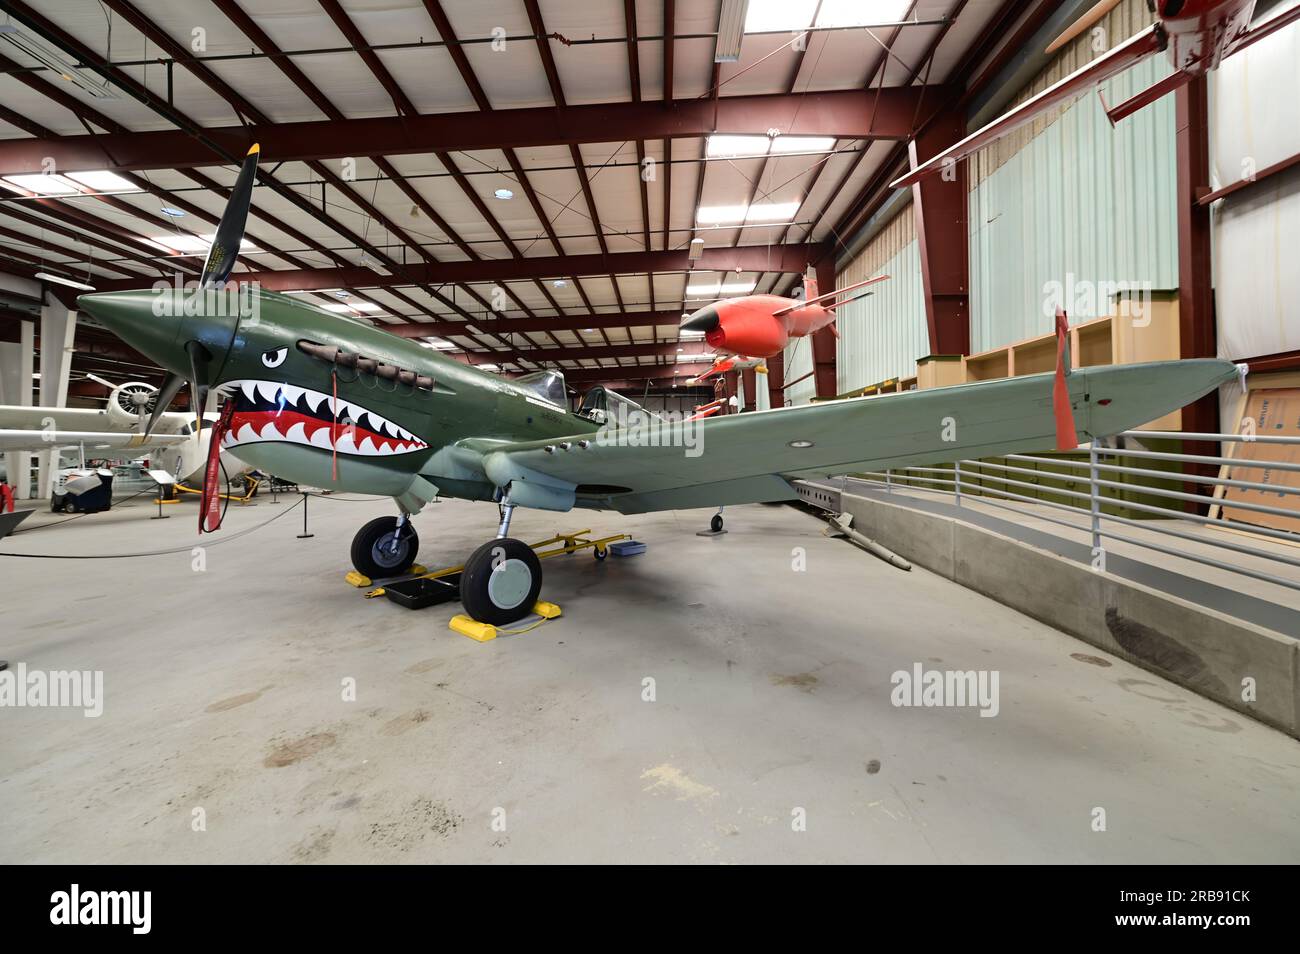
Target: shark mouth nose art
[271,411]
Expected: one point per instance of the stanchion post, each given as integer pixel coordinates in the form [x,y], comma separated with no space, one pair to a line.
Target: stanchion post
[304,535]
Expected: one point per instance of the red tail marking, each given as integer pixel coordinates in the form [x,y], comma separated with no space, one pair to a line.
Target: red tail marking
[1067,438]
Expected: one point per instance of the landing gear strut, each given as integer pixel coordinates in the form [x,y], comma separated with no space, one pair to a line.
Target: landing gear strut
[386,546]
[501,578]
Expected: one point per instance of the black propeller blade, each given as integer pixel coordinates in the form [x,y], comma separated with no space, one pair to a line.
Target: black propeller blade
[199,358]
[166,394]
[230,231]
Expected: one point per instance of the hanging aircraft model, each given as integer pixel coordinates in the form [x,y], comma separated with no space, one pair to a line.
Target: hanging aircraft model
[325,401]
[1197,35]
[753,327]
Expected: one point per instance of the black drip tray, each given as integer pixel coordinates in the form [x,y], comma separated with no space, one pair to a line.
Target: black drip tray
[417,594]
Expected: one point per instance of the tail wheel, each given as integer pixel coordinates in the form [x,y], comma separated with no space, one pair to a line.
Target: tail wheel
[379,551]
[501,581]
[716,523]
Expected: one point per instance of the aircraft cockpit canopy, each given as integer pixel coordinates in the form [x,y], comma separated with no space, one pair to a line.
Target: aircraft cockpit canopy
[601,405]
[546,384]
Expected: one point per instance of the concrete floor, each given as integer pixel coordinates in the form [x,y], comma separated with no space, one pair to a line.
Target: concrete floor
[223,693]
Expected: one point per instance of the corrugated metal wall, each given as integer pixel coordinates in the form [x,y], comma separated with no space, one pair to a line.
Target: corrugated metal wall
[1067,195]
[882,336]
[1071,197]
[798,362]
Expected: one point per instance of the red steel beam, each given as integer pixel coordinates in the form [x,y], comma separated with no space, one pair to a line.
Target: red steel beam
[503,326]
[1195,292]
[845,114]
[939,206]
[748,258]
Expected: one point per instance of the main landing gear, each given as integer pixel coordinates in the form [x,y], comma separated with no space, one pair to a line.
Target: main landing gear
[386,546]
[501,578]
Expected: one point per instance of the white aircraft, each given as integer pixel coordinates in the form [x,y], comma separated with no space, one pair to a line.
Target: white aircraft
[118,431]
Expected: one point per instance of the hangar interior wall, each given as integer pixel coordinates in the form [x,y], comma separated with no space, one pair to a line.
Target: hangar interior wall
[1071,199]
[1066,199]
[1254,123]
[882,335]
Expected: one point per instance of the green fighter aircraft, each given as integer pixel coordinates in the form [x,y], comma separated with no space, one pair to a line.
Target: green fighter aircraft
[328,401]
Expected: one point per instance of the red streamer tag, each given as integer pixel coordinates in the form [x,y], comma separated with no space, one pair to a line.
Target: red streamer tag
[210,502]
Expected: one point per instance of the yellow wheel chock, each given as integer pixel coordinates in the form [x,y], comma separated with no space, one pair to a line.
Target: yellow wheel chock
[483,632]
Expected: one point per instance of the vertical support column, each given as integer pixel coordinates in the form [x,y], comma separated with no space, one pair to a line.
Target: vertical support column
[776,380]
[58,328]
[16,369]
[823,342]
[750,377]
[939,204]
[1196,320]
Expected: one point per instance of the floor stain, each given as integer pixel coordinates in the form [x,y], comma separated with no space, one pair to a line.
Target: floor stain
[1091,660]
[315,846]
[424,665]
[300,749]
[1163,652]
[873,766]
[803,681]
[244,699]
[669,778]
[404,723]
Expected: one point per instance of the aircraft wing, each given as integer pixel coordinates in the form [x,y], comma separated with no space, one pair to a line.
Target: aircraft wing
[26,417]
[1131,51]
[137,445]
[746,458]
[830,294]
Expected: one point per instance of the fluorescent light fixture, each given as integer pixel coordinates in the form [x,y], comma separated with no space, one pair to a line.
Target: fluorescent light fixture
[53,59]
[726,288]
[559,283]
[488,367]
[196,244]
[60,280]
[503,194]
[342,308]
[768,16]
[102,181]
[43,184]
[717,146]
[774,16]
[690,334]
[696,250]
[758,212]
[174,213]
[803,144]
[732,19]
[438,344]
[851,13]
[375,266]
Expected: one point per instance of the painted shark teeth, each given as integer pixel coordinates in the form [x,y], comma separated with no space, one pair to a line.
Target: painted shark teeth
[271,411]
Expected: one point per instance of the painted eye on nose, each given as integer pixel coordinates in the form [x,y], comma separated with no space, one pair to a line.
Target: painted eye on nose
[275,357]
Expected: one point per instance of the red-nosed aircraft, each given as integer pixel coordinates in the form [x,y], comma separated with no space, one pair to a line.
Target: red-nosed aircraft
[1197,34]
[760,326]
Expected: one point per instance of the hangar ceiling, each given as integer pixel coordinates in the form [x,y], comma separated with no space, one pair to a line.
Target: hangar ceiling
[516,182]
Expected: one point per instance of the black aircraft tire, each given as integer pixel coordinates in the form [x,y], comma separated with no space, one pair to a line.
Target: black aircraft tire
[716,523]
[370,549]
[501,581]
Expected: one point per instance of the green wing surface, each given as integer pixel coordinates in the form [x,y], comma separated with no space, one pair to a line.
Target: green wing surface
[747,458]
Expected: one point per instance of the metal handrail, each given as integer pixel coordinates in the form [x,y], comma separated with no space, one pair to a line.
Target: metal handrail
[999,491]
